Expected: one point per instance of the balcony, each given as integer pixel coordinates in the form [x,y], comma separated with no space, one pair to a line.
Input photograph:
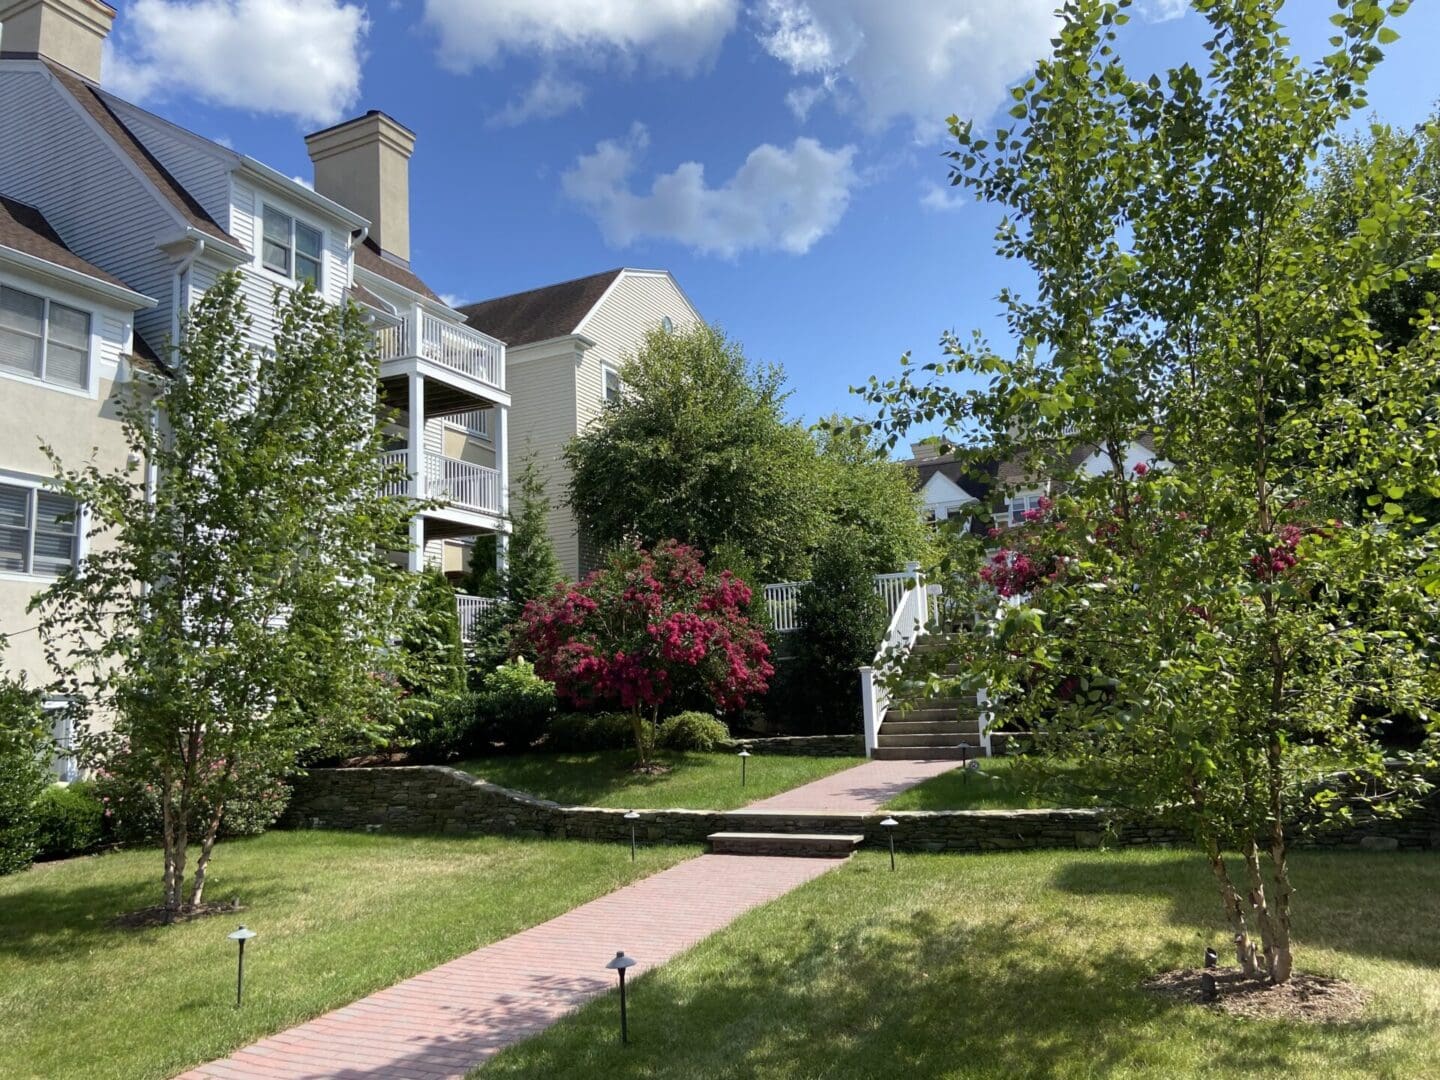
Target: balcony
[449,348]
[455,483]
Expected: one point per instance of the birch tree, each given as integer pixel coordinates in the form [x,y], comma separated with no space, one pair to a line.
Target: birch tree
[239,599]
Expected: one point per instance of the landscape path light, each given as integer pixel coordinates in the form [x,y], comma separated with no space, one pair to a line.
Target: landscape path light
[889,826]
[618,965]
[241,936]
[633,816]
[744,756]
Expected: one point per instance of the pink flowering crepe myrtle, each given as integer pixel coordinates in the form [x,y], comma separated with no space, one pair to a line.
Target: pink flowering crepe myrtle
[647,627]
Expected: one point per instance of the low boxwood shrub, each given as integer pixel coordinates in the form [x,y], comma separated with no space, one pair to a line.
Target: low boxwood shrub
[68,820]
[444,729]
[580,732]
[693,731]
[517,705]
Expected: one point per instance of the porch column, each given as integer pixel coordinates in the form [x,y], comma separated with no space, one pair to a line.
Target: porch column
[415,454]
[502,456]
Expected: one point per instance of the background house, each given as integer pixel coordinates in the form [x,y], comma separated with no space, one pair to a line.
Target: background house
[115,221]
[564,347]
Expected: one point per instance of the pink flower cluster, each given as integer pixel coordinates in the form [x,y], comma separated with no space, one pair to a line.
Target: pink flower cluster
[646,627]
[1280,558]
[1012,573]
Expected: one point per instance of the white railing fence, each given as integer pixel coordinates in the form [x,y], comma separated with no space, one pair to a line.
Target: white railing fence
[451,345]
[909,620]
[471,609]
[783,598]
[470,486]
[400,486]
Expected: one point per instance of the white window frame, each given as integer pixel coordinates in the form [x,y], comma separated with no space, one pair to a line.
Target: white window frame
[292,249]
[607,372]
[62,733]
[35,486]
[1020,505]
[91,351]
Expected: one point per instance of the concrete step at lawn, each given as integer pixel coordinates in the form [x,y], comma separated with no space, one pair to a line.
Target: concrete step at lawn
[926,753]
[927,713]
[811,845]
[929,727]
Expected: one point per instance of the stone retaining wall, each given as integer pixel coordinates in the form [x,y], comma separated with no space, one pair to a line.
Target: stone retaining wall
[436,799]
[802,745]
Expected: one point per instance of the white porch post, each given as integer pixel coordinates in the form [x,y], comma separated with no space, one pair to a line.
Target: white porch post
[502,469]
[871,707]
[415,462]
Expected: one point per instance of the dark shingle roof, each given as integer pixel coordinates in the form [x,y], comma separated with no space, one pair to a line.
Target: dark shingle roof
[25,229]
[93,103]
[539,314]
[368,256]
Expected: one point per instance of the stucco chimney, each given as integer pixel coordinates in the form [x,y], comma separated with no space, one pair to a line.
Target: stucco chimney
[364,164]
[69,32]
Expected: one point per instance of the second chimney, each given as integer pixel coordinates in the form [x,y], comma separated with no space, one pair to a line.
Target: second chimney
[69,32]
[364,164]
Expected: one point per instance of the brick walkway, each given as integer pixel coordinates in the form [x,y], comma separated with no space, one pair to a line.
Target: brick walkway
[449,1019]
[444,1022]
[859,790]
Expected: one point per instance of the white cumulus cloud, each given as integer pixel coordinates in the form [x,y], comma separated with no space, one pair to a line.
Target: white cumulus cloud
[913,62]
[940,199]
[676,35]
[299,58]
[780,199]
[1162,10]
[549,95]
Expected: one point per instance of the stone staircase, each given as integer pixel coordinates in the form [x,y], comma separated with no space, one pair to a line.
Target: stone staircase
[943,728]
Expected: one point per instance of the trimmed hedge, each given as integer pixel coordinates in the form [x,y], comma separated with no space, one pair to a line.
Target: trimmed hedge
[68,820]
[578,732]
[693,731]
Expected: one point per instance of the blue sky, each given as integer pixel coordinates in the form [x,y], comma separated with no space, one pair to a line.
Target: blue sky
[781,157]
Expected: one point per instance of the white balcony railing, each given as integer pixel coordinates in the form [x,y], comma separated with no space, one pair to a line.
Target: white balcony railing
[471,609]
[453,346]
[449,480]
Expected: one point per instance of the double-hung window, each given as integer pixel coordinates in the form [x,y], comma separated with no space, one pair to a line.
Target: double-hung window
[43,339]
[613,385]
[1021,504]
[291,248]
[59,711]
[39,531]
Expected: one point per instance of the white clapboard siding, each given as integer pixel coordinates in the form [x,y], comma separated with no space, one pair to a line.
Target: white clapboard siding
[53,157]
[201,168]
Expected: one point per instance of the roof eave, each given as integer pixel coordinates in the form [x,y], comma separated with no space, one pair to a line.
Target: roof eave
[127,297]
[292,188]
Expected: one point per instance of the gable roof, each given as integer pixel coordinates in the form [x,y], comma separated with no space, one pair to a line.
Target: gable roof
[24,228]
[539,314]
[89,98]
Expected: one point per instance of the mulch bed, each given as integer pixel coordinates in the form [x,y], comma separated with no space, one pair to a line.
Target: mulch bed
[1310,999]
[155,916]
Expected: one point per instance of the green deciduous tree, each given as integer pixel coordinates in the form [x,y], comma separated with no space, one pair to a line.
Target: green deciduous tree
[243,597]
[1212,639]
[699,449]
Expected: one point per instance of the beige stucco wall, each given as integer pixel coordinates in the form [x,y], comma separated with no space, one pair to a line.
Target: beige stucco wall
[76,427]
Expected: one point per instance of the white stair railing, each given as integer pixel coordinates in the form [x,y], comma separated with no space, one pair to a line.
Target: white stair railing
[470,609]
[910,619]
[782,599]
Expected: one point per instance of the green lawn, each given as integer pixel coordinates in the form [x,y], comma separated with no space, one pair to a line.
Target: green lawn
[694,781]
[1017,965]
[339,915]
[991,788]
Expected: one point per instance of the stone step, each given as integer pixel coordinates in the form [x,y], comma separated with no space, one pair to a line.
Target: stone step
[928,714]
[929,727]
[926,753]
[812,845]
[927,738]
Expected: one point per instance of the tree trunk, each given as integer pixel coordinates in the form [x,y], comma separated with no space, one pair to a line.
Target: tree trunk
[1284,962]
[175,837]
[1234,910]
[212,830]
[637,724]
[1258,906]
